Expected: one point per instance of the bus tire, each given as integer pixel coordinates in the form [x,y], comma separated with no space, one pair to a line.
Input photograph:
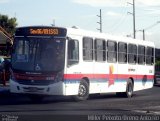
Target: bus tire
[83,92]
[129,89]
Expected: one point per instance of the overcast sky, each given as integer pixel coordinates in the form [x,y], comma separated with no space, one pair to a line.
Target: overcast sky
[83,14]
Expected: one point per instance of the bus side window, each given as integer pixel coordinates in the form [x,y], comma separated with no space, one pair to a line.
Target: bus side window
[100,50]
[88,49]
[149,56]
[112,51]
[132,54]
[122,52]
[141,54]
[73,52]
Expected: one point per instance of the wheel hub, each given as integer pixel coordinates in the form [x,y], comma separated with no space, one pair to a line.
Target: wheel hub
[82,90]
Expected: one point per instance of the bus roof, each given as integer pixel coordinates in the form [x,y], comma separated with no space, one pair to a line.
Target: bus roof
[86,33]
[26,31]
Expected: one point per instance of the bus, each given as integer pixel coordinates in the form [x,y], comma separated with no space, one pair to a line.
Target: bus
[74,62]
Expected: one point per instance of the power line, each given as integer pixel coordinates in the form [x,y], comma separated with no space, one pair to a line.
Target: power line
[152,25]
[143,30]
[116,25]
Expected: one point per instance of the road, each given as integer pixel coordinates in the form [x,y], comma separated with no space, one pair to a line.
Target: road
[144,103]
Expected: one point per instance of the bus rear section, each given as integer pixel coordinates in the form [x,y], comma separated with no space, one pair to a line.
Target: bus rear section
[108,64]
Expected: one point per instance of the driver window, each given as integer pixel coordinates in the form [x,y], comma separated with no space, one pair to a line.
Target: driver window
[22,51]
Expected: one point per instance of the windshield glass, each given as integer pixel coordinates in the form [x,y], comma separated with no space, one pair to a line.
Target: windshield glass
[38,54]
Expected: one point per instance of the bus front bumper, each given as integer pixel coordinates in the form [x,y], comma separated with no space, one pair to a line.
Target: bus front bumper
[52,89]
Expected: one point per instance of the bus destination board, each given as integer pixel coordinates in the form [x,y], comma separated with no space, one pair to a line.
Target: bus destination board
[40,31]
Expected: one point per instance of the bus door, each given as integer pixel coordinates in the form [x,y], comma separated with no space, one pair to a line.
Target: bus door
[73,71]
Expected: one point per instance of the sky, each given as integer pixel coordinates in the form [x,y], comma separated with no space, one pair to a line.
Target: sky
[83,13]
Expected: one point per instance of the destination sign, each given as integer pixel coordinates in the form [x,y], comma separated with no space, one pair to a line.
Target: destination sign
[44,31]
[41,31]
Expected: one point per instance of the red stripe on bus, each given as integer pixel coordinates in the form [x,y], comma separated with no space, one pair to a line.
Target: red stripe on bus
[80,76]
[104,76]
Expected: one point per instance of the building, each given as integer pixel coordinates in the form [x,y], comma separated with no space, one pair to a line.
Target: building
[5,42]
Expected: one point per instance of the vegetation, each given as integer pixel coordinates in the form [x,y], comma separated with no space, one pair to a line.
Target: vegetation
[9,24]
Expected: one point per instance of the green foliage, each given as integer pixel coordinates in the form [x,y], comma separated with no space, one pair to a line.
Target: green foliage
[9,24]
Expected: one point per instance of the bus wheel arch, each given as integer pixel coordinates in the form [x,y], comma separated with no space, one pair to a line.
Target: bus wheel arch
[83,91]
[132,82]
[86,79]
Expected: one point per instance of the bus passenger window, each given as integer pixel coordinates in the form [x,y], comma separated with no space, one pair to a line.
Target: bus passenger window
[100,50]
[132,54]
[87,49]
[112,51]
[149,56]
[73,52]
[141,54]
[122,52]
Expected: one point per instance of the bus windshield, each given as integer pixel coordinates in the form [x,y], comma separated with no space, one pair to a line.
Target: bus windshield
[38,54]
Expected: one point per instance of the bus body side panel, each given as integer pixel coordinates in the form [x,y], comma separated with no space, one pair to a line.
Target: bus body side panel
[144,77]
[122,77]
[111,83]
[150,77]
[72,80]
[132,74]
[105,77]
[100,80]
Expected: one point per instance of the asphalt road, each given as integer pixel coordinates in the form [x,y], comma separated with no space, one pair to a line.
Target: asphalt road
[144,104]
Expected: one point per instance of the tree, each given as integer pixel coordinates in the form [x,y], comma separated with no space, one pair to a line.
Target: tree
[9,24]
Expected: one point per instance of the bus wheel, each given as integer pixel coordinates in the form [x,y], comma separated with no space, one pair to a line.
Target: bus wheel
[129,89]
[83,91]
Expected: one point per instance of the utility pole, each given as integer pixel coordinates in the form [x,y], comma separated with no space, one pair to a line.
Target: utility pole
[143,34]
[134,20]
[100,21]
[53,23]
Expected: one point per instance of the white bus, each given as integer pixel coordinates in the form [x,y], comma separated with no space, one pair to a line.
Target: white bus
[75,62]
